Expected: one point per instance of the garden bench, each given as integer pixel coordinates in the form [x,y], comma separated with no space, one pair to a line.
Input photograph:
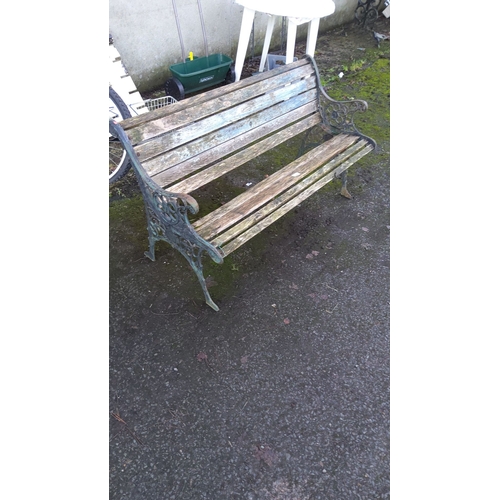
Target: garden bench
[193,143]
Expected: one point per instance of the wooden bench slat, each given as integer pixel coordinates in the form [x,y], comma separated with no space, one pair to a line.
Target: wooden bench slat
[263,103]
[227,101]
[275,203]
[223,167]
[221,139]
[286,73]
[292,203]
[261,193]
[305,120]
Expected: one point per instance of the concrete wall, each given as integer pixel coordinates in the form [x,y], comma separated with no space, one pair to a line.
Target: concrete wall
[145,33]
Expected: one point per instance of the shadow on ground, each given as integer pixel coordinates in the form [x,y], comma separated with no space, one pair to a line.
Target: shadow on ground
[284,393]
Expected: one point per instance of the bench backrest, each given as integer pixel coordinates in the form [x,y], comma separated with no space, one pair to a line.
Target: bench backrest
[190,134]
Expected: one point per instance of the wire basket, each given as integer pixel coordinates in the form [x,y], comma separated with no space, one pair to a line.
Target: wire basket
[151,104]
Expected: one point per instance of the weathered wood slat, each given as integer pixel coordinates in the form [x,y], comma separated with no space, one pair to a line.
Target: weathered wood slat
[214,94]
[221,120]
[305,116]
[208,156]
[241,157]
[227,101]
[275,203]
[260,226]
[261,193]
[230,132]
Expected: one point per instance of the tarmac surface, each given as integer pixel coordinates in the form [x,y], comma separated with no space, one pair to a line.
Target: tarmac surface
[284,393]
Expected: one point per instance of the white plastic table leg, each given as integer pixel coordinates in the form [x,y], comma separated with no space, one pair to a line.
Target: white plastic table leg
[290,41]
[312,36]
[267,42]
[246,29]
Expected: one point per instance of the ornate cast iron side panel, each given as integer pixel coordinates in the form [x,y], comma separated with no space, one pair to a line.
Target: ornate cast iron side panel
[338,116]
[167,218]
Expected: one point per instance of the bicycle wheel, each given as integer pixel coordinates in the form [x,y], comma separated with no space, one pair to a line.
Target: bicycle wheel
[360,11]
[119,164]
[371,16]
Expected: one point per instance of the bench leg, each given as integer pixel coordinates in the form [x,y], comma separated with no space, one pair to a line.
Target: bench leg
[343,189]
[198,269]
[188,243]
[193,256]
[150,254]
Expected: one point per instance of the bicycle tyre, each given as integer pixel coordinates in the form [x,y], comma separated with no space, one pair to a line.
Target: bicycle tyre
[371,16]
[119,164]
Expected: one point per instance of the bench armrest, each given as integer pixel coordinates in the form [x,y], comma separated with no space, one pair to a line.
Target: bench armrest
[338,116]
[168,203]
